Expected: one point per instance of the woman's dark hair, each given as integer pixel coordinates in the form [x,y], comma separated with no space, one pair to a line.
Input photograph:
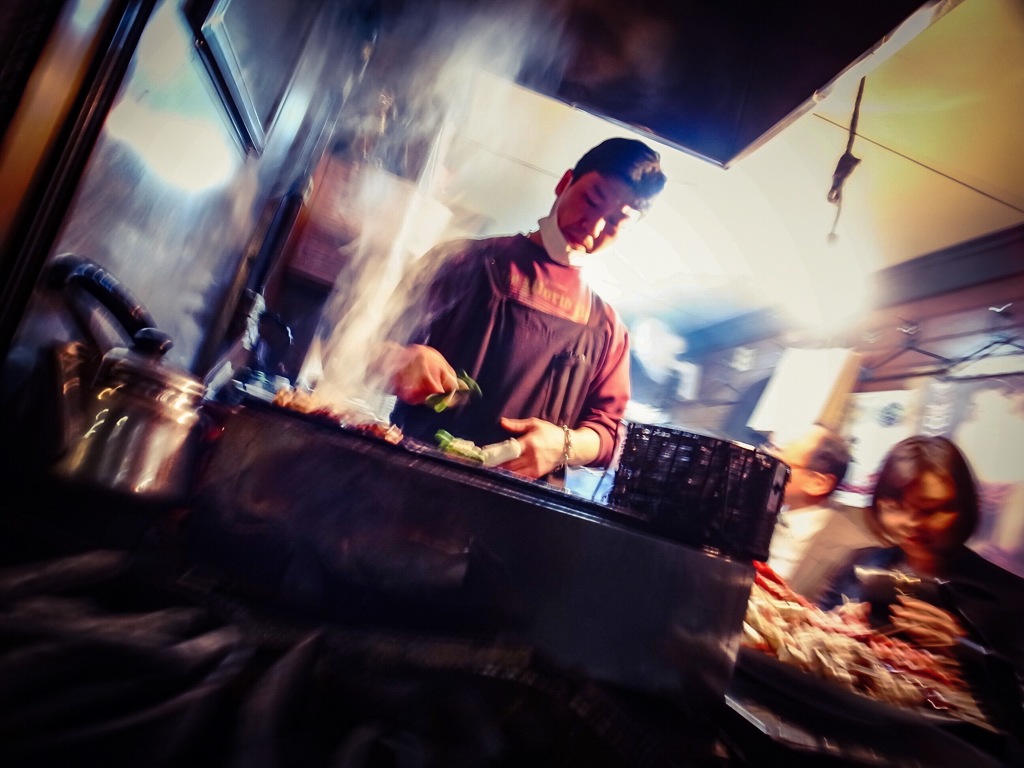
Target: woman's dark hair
[631,161]
[908,460]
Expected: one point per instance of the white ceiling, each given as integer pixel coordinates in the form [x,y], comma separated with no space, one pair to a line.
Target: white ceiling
[939,138]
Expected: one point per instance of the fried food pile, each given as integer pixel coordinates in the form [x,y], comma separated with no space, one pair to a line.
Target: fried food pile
[841,646]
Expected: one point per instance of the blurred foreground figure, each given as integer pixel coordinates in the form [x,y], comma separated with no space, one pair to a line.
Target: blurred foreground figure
[813,537]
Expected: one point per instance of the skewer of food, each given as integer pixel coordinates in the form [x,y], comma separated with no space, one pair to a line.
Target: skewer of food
[299,400]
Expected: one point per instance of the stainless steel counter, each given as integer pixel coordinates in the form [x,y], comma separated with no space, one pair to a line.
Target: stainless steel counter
[359,531]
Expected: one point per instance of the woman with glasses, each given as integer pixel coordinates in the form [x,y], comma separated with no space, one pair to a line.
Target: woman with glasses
[927,584]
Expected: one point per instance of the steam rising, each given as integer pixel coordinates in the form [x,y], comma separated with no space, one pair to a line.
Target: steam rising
[401,130]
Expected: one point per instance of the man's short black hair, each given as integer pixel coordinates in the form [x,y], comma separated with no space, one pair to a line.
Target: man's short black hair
[631,161]
[830,456]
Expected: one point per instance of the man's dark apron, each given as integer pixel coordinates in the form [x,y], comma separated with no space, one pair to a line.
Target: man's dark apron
[528,363]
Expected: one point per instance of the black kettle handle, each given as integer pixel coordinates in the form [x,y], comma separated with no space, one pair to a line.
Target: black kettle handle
[68,269]
[152,342]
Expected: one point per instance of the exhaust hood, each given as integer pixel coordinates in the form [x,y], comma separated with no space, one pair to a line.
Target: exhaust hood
[714,78]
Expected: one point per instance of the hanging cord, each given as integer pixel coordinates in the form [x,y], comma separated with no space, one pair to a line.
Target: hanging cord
[845,165]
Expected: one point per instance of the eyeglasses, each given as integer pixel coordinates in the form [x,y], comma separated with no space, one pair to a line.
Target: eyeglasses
[909,510]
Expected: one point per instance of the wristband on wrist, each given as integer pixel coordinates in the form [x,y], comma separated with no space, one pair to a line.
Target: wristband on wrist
[566,446]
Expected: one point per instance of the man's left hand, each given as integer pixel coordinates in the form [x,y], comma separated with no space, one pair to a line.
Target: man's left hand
[543,445]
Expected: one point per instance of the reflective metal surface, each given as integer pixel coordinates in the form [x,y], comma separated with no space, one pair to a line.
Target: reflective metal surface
[140,433]
[357,530]
[168,199]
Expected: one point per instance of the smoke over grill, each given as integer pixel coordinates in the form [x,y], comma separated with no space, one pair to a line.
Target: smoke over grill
[399,133]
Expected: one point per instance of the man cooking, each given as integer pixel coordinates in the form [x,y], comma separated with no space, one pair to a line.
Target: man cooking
[514,313]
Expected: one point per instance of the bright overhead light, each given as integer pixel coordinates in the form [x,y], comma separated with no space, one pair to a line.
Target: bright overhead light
[829,292]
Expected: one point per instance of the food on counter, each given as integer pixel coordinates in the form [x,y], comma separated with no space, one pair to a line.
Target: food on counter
[496,454]
[389,433]
[841,646]
[307,402]
[491,455]
[457,446]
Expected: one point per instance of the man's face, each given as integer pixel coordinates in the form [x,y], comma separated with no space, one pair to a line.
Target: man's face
[593,210]
[806,486]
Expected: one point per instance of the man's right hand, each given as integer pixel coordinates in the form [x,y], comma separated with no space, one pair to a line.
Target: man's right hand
[419,371]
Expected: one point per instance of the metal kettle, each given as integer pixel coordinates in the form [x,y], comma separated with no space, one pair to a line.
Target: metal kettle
[132,426]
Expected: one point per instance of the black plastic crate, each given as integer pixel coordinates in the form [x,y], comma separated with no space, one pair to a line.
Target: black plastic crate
[708,492]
